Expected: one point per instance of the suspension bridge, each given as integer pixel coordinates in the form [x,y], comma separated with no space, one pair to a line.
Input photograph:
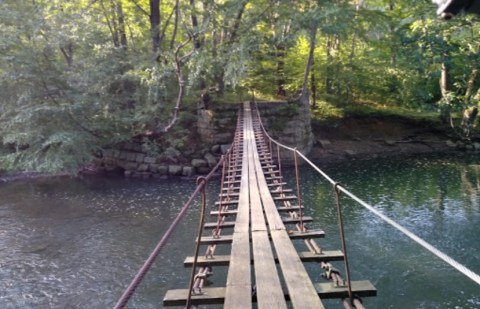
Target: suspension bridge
[263,223]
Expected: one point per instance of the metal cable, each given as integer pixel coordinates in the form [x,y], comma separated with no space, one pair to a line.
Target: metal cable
[458,266]
[200,181]
[130,290]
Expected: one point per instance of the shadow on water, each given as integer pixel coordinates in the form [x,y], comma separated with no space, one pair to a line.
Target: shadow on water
[77,244]
[437,198]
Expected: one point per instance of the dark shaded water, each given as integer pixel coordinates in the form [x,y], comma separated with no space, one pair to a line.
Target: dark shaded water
[77,244]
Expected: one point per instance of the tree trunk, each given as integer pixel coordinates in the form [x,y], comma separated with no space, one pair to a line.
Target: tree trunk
[313,86]
[121,25]
[305,95]
[472,79]
[445,113]
[68,54]
[175,24]
[155,26]
[444,84]
[197,43]
[116,38]
[393,51]
[110,24]
[280,74]
[468,119]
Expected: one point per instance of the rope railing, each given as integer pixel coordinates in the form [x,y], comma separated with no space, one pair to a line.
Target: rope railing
[198,280]
[449,260]
[130,290]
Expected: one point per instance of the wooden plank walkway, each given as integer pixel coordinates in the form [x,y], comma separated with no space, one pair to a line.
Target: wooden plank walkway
[263,265]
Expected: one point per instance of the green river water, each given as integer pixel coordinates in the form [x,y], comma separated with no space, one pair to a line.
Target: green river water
[69,243]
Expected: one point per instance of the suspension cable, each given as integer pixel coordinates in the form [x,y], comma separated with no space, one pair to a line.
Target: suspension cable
[460,267]
[130,290]
[342,237]
[200,181]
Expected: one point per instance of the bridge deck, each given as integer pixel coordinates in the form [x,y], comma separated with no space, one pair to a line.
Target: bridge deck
[260,241]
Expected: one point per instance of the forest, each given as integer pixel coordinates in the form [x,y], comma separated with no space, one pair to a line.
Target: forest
[79,75]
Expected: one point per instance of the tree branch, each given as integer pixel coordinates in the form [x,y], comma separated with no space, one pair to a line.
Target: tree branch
[181,81]
[139,7]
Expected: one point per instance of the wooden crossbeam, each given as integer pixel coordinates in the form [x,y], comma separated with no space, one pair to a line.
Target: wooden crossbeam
[217,295]
[230,224]
[307,256]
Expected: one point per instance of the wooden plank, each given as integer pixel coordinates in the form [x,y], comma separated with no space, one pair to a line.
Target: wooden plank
[232,189]
[223,239]
[299,285]
[231,194]
[267,282]
[217,260]
[216,295]
[230,224]
[325,256]
[289,208]
[305,235]
[210,297]
[305,256]
[363,288]
[238,291]
[285,198]
[281,192]
[224,224]
[231,202]
[268,287]
[235,194]
[224,212]
[296,220]
[273,178]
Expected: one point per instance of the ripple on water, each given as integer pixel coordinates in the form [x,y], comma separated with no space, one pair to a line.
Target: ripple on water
[73,244]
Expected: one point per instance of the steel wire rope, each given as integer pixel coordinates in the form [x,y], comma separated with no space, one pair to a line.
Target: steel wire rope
[198,280]
[449,260]
[140,275]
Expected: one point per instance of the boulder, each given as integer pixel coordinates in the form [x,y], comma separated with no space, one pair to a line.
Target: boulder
[199,163]
[131,166]
[149,160]
[162,170]
[153,168]
[224,148]
[188,171]
[175,170]
[203,170]
[216,149]
[139,157]
[142,167]
[131,156]
[324,142]
[451,144]
[172,154]
[211,160]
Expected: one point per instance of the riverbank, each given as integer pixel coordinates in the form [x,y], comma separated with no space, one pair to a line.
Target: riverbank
[349,138]
[357,137]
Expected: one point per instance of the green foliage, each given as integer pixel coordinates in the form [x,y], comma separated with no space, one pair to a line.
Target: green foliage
[80,75]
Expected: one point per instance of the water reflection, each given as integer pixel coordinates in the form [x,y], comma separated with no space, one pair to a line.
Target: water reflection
[432,197]
[75,244]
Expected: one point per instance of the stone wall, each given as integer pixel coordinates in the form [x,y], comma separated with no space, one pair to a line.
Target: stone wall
[134,162]
[287,122]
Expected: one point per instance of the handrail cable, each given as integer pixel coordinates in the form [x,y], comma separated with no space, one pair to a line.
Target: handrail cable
[130,290]
[460,267]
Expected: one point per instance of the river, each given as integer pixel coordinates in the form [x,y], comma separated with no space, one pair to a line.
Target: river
[70,243]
